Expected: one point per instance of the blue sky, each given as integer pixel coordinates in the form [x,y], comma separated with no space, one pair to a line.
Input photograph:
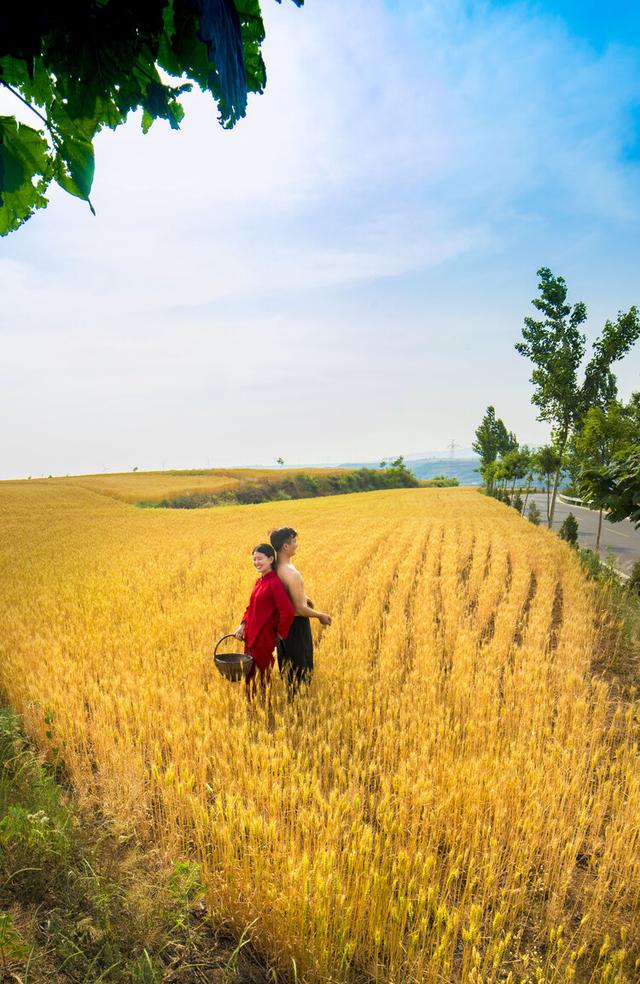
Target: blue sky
[599,24]
[344,275]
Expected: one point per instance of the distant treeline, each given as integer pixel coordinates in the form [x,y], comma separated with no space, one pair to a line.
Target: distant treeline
[300,486]
[441,482]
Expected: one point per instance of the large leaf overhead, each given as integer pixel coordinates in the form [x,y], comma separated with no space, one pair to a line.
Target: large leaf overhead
[25,171]
[221,32]
[81,66]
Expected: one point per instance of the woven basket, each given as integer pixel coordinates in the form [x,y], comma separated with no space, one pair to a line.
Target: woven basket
[233,666]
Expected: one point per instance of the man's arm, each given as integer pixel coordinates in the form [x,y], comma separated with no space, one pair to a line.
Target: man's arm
[294,585]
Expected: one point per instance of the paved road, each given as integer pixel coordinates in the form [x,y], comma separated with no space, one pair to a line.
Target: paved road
[622,539]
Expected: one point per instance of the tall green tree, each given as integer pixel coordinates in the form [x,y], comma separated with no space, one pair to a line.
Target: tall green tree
[616,487]
[515,464]
[603,435]
[600,385]
[546,463]
[573,463]
[530,470]
[556,346]
[492,440]
[631,413]
[82,66]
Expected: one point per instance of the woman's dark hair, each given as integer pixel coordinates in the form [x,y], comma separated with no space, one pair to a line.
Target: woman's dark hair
[268,551]
[281,536]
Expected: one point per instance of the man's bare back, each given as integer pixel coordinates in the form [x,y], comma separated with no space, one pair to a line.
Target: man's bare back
[285,546]
[295,653]
[294,583]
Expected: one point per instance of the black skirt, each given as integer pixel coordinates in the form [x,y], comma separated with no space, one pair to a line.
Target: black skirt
[296,651]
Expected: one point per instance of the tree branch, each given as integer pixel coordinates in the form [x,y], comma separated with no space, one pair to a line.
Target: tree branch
[44,119]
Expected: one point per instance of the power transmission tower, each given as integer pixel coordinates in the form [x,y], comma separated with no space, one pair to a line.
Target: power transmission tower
[452,445]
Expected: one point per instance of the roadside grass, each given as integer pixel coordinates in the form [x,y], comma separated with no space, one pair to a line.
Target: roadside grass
[80,902]
[618,604]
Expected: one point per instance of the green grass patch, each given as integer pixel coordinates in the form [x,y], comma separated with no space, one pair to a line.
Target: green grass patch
[299,486]
[618,606]
[80,902]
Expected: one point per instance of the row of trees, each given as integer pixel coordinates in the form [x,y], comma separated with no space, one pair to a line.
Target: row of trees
[601,461]
[507,464]
[569,529]
[595,438]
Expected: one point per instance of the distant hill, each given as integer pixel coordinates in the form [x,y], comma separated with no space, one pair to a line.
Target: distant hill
[461,454]
[461,468]
[464,469]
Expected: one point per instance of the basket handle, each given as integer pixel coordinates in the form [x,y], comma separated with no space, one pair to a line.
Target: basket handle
[231,635]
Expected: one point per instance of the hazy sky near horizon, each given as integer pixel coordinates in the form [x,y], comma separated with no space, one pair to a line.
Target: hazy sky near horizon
[344,275]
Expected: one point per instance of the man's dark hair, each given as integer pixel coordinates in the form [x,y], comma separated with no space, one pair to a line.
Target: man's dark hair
[281,536]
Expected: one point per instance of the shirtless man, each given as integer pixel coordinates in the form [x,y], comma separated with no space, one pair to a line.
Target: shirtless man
[295,653]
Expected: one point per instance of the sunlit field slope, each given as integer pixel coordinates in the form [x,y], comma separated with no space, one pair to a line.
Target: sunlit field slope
[457,798]
[155,486]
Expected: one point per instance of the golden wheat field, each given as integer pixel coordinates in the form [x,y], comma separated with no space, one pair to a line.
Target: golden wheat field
[156,486]
[456,799]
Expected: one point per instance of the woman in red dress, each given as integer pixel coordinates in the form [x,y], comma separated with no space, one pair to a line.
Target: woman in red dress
[267,618]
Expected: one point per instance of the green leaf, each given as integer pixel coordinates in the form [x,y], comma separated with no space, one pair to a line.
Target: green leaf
[12,171]
[26,169]
[161,103]
[221,30]
[35,86]
[181,51]
[85,109]
[74,162]
[75,166]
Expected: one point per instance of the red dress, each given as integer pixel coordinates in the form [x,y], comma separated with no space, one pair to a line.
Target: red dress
[269,614]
